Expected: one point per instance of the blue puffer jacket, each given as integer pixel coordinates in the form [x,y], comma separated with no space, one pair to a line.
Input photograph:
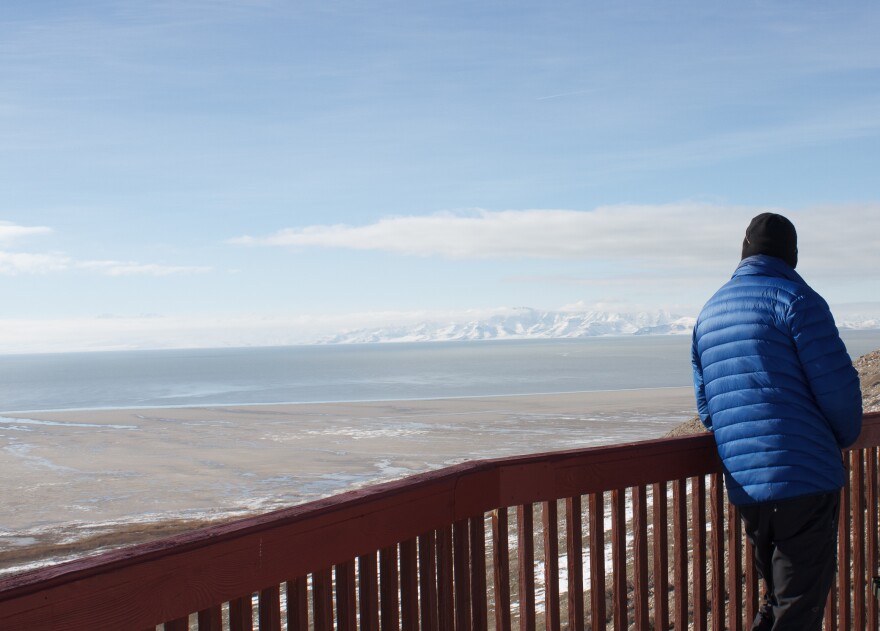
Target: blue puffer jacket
[775,384]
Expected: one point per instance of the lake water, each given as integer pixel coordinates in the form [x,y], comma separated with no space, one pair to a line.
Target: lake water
[307,374]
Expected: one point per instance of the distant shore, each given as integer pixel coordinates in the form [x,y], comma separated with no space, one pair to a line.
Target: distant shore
[79,482]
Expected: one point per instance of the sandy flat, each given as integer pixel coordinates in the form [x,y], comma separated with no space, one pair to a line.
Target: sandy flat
[75,482]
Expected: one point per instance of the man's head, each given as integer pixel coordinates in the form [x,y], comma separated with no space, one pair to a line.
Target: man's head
[773,235]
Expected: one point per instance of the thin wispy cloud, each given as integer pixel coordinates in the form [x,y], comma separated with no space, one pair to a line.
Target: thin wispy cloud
[122,268]
[12,232]
[14,263]
[563,94]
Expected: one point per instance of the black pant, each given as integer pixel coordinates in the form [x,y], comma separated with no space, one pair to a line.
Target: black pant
[795,544]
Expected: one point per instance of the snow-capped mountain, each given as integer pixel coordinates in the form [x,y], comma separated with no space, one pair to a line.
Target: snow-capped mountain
[525,323]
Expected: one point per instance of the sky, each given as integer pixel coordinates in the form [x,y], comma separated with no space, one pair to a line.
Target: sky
[238,172]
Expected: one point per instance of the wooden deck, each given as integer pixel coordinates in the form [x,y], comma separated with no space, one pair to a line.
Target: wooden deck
[598,538]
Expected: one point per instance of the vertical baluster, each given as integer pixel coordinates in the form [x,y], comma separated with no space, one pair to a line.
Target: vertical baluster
[831,611]
[270,609]
[211,619]
[180,624]
[661,555]
[298,604]
[872,527]
[389,602]
[861,586]
[479,589]
[550,521]
[428,582]
[680,539]
[717,553]
[368,592]
[409,586]
[575,552]
[698,521]
[844,582]
[462,573]
[322,599]
[526,545]
[751,574]
[501,569]
[640,552]
[598,613]
[445,594]
[346,602]
[734,570]
[241,614]
[597,561]
[618,559]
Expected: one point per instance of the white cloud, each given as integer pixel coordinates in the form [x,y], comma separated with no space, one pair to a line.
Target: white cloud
[11,232]
[686,235]
[120,268]
[13,263]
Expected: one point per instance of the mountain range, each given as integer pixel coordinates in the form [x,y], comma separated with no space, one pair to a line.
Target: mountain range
[524,323]
[527,323]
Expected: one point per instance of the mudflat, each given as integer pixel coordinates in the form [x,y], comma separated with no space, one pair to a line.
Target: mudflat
[79,482]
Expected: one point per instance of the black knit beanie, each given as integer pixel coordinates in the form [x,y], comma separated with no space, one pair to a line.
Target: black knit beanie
[773,235]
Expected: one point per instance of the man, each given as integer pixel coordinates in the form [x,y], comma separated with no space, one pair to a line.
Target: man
[775,384]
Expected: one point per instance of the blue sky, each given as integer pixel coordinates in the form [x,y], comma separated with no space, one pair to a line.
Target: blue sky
[265,171]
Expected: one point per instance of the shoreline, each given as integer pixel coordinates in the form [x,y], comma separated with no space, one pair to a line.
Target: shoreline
[79,482]
[128,408]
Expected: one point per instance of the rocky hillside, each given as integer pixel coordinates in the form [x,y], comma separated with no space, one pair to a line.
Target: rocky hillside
[869,375]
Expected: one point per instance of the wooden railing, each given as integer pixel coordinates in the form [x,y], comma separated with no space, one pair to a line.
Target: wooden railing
[630,534]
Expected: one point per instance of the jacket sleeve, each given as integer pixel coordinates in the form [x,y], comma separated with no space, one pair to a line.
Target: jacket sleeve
[827,366]
[699,386]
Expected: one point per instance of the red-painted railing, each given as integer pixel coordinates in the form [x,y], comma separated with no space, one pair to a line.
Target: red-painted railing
[637,534]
